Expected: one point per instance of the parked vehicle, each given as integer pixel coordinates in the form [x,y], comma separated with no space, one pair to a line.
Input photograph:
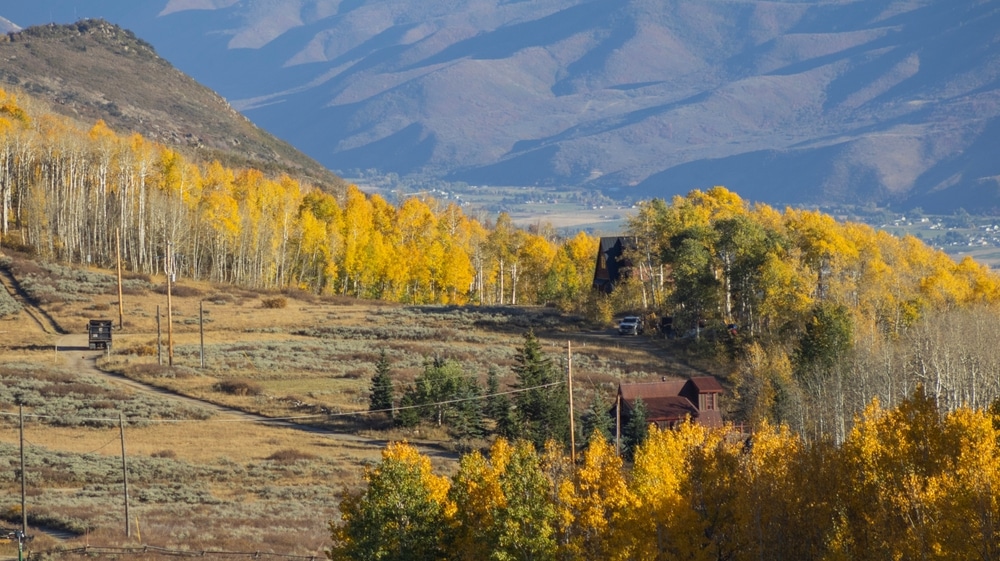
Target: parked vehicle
[99,334]
[630,325]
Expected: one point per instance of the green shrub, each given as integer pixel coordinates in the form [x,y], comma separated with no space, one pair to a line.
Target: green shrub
[238,387]
[278,302]
[290,455]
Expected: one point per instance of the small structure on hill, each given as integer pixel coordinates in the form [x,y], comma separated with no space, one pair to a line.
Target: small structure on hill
[669,402]
[612,265]
[99,334]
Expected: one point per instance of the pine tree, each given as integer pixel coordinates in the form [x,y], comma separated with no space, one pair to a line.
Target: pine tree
[498,407]
[635,431]
[493,399]
[597,421]
[409,414]
[381,389]
[542,411]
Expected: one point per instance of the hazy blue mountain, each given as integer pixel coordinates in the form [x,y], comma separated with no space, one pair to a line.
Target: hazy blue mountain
[887,101]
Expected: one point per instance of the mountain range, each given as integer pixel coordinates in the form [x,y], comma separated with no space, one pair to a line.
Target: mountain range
[797,101]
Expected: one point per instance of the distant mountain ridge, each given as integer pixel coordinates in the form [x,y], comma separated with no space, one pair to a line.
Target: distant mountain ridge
[856,101]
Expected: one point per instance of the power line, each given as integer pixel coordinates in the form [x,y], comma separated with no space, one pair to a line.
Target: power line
[142,550]
[302,417]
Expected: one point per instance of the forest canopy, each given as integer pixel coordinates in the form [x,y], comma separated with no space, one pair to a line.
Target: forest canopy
[908,483]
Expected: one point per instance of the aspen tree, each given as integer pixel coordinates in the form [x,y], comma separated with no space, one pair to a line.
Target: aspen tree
[399,516]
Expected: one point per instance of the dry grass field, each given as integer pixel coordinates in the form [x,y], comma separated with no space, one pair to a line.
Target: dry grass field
[203,477]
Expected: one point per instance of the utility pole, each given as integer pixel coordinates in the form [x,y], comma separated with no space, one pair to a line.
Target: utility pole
[121,424]
[572,427]
[618,423]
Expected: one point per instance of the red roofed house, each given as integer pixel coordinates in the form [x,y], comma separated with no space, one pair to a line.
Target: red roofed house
[669,402]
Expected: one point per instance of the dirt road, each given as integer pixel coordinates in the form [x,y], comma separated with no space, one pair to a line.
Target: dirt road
[75,353]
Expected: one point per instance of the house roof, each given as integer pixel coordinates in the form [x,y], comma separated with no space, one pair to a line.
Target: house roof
[671,400]
[609,242]
[707,384]
[672,408]
[651,390]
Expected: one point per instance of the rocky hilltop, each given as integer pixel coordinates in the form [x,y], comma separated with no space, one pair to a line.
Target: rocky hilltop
[94,70]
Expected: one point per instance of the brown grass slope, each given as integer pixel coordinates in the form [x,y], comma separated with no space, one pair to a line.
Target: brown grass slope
[94,70]
[202,479]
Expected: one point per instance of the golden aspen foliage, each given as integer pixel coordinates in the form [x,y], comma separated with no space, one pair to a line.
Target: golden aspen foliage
[969,526]
[455,274]
[503,510]
[598,505]
[571,274]
[825,250]
[359,223]
[664,522]
[399,516]
[417,247]
[787,288]
[10,110]
[894,465]
[534,261]
[478,498]
[779,507]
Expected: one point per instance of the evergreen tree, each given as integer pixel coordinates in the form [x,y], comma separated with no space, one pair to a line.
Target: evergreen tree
[408,416]
[542,410]
[467,419]
[493,400]
[381,389]
[635,431]
[826,340]
[449,398]
[498,407]
[597,421]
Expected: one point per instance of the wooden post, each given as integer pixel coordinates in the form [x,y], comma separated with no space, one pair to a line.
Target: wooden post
[118,252]
[159,343]
[121,424]
[572,427]
[201,329]
[24,503]
[169,269]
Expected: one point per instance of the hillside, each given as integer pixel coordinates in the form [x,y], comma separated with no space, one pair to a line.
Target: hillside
[211,475]
[887,102]
[95,70]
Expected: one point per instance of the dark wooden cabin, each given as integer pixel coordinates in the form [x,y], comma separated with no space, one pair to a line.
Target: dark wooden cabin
[612,265]
[669,402]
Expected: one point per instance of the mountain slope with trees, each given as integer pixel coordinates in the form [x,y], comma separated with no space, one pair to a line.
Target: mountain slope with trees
[94,70]
[854,101]
[68,191]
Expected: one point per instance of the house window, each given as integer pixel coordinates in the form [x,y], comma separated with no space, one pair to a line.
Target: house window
[706,402]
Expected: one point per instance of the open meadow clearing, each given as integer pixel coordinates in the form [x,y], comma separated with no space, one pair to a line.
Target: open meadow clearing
[205,477]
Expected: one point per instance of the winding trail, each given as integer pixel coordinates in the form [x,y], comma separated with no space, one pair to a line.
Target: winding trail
[37,315]
[76,354]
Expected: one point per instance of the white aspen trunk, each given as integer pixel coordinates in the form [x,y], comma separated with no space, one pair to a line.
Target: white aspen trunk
[513,283]
[6,187]
[501,281]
